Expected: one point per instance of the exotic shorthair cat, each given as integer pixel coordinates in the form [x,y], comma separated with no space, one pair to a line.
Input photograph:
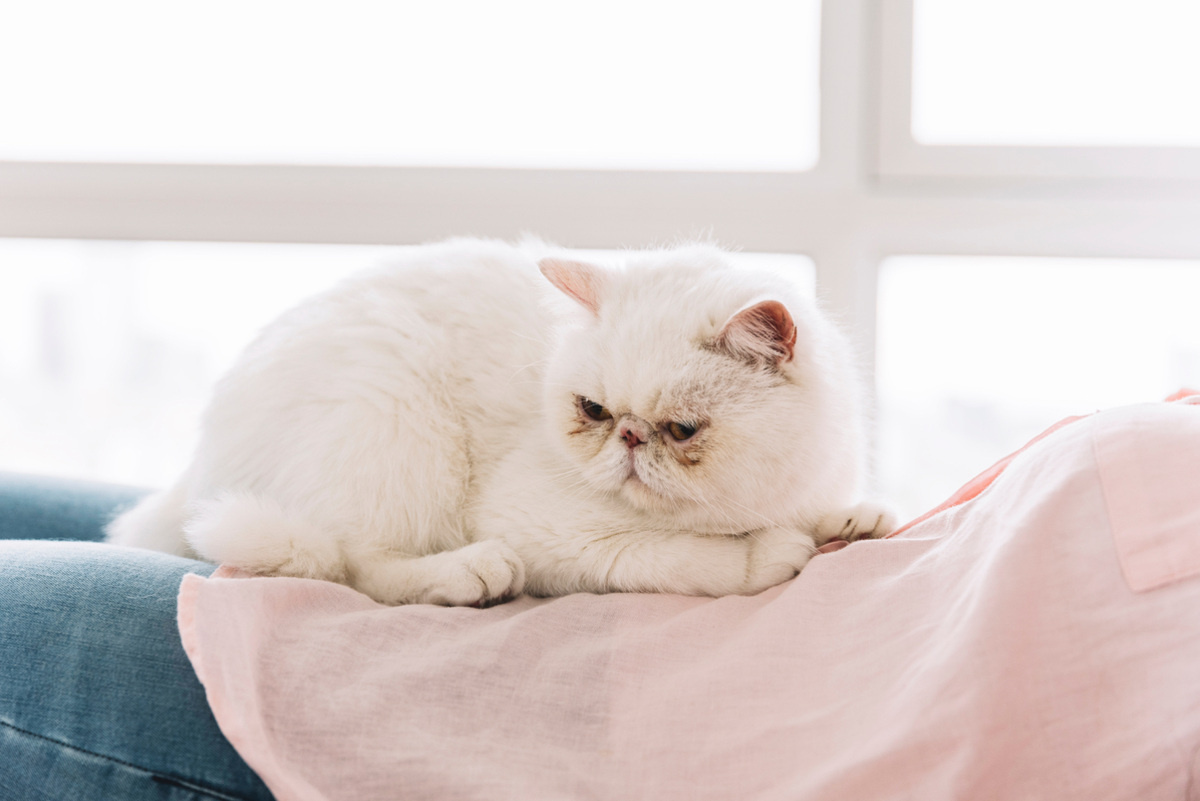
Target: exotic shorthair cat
[479,419]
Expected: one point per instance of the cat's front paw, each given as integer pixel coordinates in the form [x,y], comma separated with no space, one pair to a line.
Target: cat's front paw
[777,554]
[863,521]
[480,574]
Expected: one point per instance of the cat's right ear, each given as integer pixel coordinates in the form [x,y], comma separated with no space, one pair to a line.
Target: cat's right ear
[762,332]
[576,279]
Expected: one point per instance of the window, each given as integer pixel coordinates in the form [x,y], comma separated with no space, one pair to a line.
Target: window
[977,355]
[896,143]
[109,350]
[1055,72]
[1044,90]
[528,83]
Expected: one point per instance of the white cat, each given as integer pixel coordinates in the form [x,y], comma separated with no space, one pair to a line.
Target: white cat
[452,430]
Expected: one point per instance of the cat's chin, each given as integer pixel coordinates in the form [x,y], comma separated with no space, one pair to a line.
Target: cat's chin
[623,480]
[636,492]
[669,511]
[625,484]
[634,487]
[644,491]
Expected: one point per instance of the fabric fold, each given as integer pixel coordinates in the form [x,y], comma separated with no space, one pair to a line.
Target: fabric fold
[992,650]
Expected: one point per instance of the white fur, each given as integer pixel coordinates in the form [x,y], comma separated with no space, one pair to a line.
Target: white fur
[416,433]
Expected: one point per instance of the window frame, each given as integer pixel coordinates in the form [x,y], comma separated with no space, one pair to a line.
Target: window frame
[902,156]
[873,193]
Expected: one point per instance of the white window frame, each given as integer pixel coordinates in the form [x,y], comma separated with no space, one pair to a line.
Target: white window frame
[901,156]
[873,193]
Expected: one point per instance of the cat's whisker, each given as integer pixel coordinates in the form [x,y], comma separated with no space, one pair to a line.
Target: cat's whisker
[538,363]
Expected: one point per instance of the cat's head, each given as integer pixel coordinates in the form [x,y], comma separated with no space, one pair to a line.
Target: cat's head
[708,396]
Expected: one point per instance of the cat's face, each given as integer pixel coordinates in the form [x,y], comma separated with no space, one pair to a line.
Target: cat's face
[692,402]
[680,442]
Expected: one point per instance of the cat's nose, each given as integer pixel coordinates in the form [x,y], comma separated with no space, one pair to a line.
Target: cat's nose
[630,435]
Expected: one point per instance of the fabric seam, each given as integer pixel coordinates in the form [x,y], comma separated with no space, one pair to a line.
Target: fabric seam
[154,775]
[1134,579]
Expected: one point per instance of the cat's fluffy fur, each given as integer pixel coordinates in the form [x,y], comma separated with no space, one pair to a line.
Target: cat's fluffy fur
[455,428]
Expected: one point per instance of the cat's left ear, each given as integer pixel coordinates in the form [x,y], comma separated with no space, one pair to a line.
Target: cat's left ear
[576,279]
[762,332]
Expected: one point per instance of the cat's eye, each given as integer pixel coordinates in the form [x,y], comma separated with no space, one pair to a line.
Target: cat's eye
[680,431]
[594,410]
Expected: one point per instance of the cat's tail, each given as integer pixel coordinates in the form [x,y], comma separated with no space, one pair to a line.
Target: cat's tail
[258,535]
[156,522]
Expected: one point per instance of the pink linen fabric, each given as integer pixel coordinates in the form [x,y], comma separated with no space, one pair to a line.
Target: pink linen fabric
[1141,468]
[1038,641]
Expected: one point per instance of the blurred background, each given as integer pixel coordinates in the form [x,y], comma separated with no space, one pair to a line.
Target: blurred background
[1000,201]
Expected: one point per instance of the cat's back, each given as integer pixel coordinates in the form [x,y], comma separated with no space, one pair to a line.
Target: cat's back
[463,285]
[473,290]
[450,336]
[460,310]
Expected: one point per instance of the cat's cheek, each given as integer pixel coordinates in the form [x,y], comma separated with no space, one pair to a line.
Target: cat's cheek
[582,442]
[600,464]
[690,455]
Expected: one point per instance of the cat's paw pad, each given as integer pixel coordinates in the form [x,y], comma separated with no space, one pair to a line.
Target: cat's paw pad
[777,555]
[863,521]
[481,574]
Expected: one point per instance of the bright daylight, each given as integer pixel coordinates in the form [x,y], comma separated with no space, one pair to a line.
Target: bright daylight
[775,399]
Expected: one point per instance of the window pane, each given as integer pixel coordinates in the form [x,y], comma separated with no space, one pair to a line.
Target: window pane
[978,355]
[108,350]
[1056,72]
[660,84]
